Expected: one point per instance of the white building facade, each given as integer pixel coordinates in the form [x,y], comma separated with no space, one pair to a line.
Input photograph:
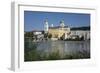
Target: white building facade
[81,33]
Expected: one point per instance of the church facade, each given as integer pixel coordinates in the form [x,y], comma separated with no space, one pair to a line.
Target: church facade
[57,32]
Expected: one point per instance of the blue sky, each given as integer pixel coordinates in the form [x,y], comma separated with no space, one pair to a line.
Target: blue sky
[34,20]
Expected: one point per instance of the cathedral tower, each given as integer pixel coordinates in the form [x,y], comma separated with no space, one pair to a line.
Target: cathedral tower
[62,23]
[46,25]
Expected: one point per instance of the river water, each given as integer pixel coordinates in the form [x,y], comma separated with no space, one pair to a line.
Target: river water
[73,50]
[64,46]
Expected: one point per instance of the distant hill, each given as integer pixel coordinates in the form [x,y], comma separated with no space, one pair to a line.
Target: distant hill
[81,28]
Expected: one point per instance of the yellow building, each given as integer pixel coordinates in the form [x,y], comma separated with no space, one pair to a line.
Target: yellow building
[59,31]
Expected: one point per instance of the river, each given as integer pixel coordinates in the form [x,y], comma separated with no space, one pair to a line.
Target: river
[79,48]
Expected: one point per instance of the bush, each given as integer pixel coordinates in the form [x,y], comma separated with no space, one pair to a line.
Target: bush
[49,35]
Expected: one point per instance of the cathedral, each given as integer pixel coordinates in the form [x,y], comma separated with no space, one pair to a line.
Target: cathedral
[57,32]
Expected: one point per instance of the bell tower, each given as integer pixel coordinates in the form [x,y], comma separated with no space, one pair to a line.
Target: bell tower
[62,23]
[46,25]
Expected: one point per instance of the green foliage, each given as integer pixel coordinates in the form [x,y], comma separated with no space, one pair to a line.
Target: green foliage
[28,34]
[49,35]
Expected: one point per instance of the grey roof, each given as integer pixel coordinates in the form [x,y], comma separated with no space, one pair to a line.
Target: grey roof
[58,27]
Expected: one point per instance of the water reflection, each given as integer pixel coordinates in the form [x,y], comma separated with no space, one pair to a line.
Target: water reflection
[52,50]
[64,46]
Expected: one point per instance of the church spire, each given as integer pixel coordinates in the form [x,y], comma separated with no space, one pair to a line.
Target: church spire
[46,25]
[62,23]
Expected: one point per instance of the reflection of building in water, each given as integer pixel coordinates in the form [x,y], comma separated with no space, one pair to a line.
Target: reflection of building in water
[57,49]
[57,31]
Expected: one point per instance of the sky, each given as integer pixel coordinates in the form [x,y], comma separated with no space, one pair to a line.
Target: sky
[34,20]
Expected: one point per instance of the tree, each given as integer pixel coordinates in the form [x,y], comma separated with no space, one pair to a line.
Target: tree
[62,37]
[49,35]
[46,35]
[29,34]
